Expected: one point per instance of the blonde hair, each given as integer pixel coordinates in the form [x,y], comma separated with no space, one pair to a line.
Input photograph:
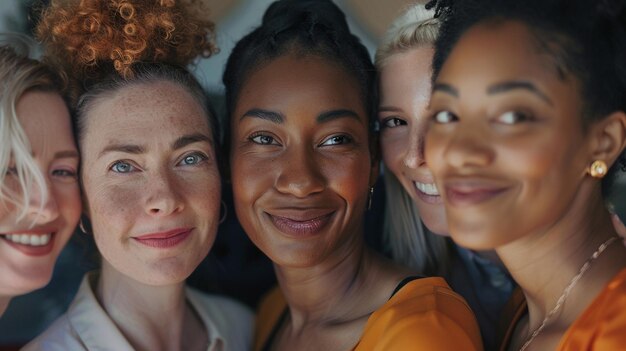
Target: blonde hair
[19,74]
[414,28]
[404,235]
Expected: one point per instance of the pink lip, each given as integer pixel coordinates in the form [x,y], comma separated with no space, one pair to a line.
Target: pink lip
[429,199]
[465,195]
[34,251]
[163,240]
[301,225]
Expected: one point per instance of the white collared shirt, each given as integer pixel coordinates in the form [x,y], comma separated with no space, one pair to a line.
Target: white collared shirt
[86,326]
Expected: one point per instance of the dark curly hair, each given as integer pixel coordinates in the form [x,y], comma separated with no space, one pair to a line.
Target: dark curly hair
[586,39]
[302,27]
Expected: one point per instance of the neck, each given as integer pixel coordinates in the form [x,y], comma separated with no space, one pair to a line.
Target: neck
[331,292]
[139,309]
[4,303]
[543,263]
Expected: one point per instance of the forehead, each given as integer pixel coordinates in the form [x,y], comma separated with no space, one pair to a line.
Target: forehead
[504,48]
[146,109]
[300,80]
[46,121]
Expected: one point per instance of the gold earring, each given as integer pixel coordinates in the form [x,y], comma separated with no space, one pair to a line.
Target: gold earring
[598,169]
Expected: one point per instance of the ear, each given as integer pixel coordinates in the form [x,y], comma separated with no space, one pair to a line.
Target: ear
[609,138]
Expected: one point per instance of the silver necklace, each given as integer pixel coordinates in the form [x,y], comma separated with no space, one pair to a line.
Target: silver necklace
[567,290]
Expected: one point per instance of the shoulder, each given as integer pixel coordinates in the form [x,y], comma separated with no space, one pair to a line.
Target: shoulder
[424,314]
[270,309]
[59,336]
[602,324]
[228,318]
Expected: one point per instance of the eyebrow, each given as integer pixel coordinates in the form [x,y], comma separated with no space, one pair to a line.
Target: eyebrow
[271,116]
[335,114]
[515,85]
[66,154]
[446,88]
[125,148]
[190,139]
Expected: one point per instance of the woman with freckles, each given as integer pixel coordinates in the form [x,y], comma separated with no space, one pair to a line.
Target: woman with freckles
[415,232]
[528,115]
[39,195]
[301,101]
[152,197]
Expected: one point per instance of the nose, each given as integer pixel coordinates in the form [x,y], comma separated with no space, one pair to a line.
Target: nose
[468,148]
[163,196]
[300,174]
[42,203]
[414,156]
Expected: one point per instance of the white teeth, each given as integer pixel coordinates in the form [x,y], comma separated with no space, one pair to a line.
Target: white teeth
[428,189]
[30,239]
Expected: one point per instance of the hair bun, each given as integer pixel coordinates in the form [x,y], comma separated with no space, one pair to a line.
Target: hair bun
[90,39]
[285,14]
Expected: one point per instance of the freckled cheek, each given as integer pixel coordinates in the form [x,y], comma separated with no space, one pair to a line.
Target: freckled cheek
[112,205]
[203,192]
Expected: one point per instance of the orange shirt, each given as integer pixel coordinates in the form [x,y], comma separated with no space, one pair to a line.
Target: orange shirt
[602,326]
[425,314]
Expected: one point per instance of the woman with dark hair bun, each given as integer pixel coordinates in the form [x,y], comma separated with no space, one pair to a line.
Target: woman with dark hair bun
[528,114]
[301,99]
[149,174]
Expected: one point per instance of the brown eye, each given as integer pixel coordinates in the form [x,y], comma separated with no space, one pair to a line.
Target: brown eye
[513,117]
[444,117]
[393,122]
[263,139]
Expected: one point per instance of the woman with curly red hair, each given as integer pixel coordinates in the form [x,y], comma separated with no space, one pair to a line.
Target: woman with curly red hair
[149,176]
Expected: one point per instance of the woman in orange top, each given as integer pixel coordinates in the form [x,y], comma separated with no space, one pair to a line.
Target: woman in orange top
[527,116]
[301,101]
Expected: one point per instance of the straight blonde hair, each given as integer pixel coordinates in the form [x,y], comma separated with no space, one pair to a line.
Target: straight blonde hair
[18,75]
[404,235]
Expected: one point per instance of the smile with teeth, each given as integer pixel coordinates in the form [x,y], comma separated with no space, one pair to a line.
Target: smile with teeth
[29,239]
[427,188]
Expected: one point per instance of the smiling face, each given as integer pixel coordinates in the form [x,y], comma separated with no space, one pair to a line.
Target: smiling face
[506,143]
[151,181]
[300,160]
[405,92]
[29,246]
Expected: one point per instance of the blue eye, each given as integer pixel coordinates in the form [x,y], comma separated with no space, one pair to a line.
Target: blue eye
[337,140]
[444,117]
[393,122]
[263,139]
[64,173]
[193,159]
[122,167]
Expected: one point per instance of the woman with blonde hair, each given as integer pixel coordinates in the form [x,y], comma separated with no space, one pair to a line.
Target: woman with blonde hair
[149,174]
[39,194]
[415,229]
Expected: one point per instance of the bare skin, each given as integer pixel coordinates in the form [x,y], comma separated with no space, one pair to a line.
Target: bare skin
[310,169]
[509,153]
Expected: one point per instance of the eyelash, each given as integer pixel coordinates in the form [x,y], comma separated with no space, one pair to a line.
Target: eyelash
[257,135]
[452,117]
[398,122]
[347,139]
[200,158]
